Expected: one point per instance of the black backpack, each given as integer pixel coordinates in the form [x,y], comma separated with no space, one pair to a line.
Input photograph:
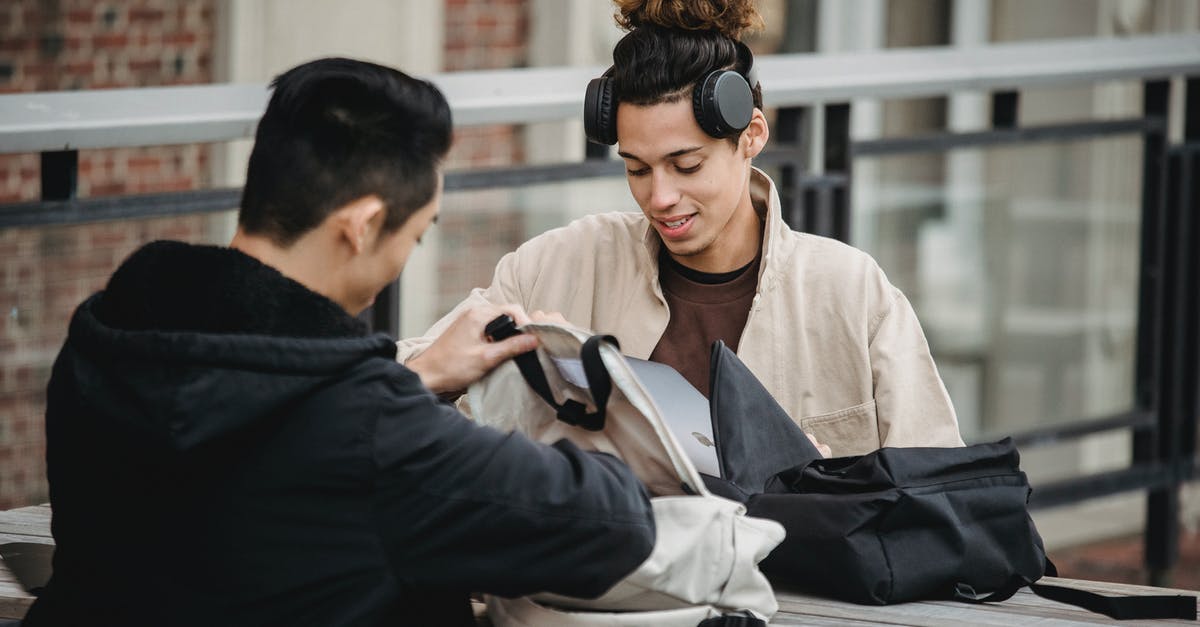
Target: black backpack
[894,525]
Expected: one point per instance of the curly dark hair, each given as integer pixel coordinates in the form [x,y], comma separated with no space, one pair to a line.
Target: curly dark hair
[731,18]
[672,44]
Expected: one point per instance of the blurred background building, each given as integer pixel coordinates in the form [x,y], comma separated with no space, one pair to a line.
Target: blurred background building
[1022,259]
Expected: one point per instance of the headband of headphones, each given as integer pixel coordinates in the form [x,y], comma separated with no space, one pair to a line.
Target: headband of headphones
[722,102]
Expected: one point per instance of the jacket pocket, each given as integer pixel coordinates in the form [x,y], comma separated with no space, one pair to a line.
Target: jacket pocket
[850,431]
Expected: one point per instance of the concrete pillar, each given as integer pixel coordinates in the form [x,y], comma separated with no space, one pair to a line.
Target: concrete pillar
[962,232]
[568,33]
[848,26]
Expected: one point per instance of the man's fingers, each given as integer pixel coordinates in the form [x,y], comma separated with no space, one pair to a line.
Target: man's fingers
[507,349]
[516,312]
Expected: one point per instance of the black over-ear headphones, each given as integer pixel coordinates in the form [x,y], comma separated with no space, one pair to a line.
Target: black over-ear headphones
[722,103]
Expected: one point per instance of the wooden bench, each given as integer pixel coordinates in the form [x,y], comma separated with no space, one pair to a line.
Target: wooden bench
[32,524]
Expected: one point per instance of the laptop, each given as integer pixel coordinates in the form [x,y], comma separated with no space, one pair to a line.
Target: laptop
[684,409]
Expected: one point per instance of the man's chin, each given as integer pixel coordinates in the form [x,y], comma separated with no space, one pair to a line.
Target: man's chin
[362,308]
[681,249]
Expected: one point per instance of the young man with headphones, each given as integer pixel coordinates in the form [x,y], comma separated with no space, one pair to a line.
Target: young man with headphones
[709,256]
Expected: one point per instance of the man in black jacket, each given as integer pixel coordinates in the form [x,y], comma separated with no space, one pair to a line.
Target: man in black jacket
[226,444]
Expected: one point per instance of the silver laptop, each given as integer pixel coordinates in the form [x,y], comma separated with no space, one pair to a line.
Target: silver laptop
[684,408]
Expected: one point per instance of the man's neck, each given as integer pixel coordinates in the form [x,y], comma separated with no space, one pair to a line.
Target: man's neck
[301,261]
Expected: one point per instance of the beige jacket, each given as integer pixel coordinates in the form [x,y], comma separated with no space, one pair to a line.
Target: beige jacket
[836,344]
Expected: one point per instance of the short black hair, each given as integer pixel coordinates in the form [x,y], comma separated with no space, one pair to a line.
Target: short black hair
[336,130]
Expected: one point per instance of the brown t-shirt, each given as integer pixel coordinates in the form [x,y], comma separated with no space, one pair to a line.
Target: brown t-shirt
[704,308]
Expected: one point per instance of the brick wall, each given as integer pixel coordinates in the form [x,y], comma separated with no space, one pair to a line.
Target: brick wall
[485,35]
[48,45]
[85,44]
[478,228]
[51,45]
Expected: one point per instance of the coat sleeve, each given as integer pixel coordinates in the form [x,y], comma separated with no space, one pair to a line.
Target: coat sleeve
[911,403]
[505,288]
[465,507]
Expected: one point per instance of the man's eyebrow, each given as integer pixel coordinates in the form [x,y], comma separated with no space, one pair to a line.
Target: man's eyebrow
[672,155]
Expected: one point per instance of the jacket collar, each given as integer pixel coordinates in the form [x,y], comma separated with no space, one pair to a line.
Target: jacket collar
[766,201]
[172,286]
[189,344]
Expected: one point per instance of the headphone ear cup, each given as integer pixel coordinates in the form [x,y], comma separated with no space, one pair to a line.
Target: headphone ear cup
[701,94]
[599,112]
[722,103]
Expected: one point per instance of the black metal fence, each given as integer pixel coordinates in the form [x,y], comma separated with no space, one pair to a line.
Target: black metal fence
[1163,419]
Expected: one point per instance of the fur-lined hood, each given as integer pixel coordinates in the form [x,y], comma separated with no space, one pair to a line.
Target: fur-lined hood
[188,344]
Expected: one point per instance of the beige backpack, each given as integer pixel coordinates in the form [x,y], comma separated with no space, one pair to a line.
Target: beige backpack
[705,560]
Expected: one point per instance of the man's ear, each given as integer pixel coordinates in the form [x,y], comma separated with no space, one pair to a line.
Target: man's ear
[358,221]
[755,137]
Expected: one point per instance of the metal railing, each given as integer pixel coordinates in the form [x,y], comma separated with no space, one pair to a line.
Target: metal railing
[1163,419]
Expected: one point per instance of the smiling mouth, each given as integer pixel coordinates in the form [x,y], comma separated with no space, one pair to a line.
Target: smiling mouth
[674,224]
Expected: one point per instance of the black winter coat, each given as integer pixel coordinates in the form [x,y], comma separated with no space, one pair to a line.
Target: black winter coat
[226,447]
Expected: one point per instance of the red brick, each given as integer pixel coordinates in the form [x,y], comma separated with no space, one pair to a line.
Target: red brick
[18,430]
[26,272]
[16,44]
[110,234]
[107,189]
[23,377]
[110,40]
[81,68]
[179,39]
[146,70]
[145,14]
[80,16]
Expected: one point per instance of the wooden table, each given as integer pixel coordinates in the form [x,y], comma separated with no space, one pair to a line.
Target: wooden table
[32,524]
[27,524]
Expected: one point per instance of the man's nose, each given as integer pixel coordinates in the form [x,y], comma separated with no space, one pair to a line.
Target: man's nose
[663,192]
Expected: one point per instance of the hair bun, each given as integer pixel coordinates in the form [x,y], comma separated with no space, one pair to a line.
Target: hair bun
[730,18]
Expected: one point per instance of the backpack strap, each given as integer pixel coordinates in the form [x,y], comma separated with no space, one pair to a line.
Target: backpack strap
[599,382]
[1121,608]
[1116,607]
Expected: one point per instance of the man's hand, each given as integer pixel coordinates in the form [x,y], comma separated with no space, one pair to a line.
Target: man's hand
[462,355]
[823,449]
